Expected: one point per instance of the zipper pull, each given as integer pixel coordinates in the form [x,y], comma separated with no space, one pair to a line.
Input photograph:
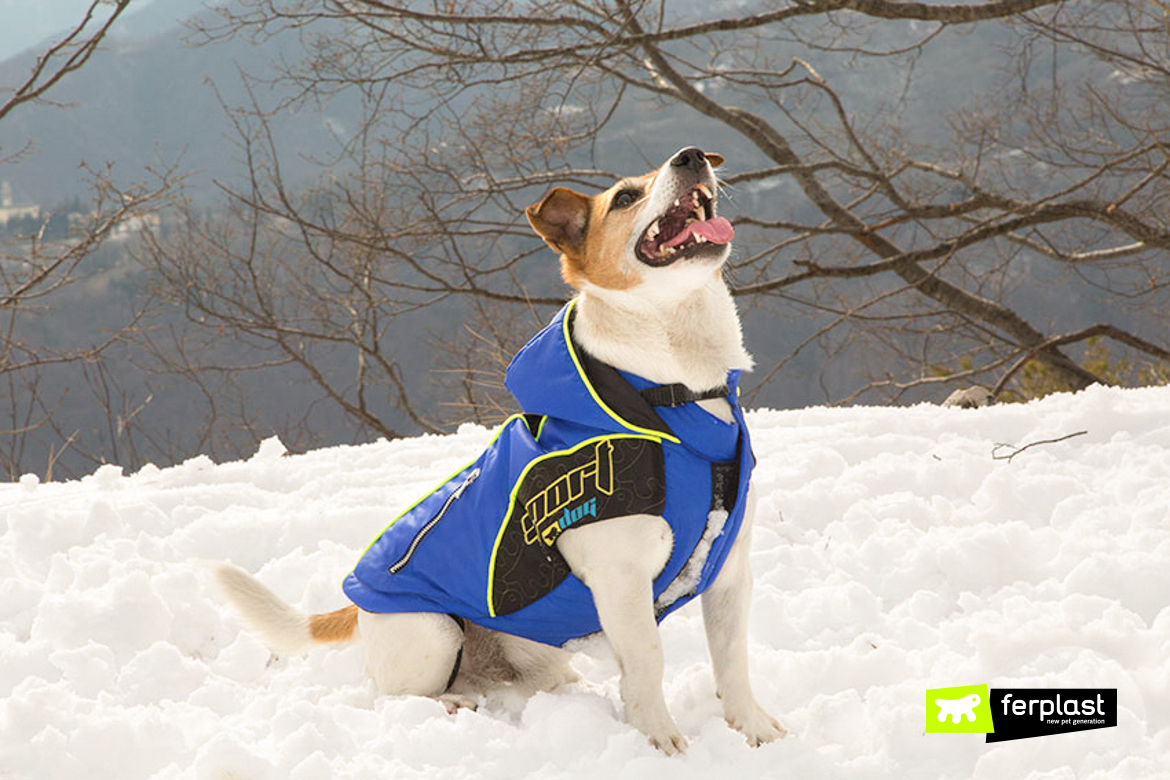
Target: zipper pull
[472,477]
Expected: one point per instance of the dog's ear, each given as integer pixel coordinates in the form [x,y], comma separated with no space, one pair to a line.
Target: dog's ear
[560,218]
[715,159]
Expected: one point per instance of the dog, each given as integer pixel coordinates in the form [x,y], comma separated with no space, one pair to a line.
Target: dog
[621,493]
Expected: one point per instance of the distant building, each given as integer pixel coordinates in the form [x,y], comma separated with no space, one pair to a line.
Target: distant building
[133,225]
[10,210]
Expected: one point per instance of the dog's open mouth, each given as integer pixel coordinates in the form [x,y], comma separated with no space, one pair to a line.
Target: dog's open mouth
[687,228]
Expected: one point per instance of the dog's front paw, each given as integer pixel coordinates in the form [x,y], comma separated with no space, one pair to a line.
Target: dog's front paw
[670,744]
[662,732]
[757,725]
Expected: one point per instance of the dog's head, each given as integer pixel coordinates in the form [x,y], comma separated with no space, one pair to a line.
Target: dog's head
[640,227]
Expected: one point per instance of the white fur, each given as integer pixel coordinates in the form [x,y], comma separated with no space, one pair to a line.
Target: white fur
[414,653]
[282,628]
[410,653]
[618,560]
[692,336]
[725,617]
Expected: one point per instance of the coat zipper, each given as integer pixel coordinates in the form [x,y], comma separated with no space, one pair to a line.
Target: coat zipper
[451,499]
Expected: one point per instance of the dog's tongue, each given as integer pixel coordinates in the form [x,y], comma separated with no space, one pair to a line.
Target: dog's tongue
[717,231]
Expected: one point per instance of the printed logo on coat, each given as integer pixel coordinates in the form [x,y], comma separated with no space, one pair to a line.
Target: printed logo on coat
[543,520]
[598,480]
[578,513]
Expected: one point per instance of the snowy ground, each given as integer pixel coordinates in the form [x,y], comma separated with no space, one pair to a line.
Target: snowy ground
[892,554]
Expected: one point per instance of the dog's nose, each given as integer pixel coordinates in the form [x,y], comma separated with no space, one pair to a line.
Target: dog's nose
[692,157]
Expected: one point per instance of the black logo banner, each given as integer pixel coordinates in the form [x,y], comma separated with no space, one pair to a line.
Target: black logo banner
[1022,713]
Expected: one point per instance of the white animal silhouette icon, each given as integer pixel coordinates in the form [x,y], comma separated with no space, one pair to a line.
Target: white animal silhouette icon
[958,708]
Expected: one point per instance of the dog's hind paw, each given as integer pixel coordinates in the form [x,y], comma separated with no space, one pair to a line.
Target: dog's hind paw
[456,701]
[758,726]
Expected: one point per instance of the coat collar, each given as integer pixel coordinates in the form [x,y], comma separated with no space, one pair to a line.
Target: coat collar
[552,375]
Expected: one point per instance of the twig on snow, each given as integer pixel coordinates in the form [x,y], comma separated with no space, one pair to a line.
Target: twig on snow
[1017,450]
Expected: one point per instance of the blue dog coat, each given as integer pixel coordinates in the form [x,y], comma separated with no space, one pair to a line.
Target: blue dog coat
[589,447]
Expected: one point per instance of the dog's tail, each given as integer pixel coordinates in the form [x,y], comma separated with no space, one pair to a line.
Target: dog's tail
[280,626]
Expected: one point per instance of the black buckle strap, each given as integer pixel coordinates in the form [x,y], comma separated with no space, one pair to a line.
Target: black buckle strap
[458,655]
[679,394]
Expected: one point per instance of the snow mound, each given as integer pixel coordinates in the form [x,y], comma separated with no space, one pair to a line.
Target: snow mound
[894,550]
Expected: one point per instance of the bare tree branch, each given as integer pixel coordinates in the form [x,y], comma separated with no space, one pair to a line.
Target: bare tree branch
[66,56]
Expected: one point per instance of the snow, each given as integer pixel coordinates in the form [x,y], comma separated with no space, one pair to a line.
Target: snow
[687,581]
[892,553]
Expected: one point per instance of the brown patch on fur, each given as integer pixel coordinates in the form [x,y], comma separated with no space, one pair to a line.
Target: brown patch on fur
[560,218]
[591,236]
[607,241]
[337,626]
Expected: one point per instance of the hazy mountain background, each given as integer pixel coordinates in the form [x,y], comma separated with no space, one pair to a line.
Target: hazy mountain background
[26,23]
[151,97]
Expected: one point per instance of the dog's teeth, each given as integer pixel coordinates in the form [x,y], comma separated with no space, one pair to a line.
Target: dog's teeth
[699,239]
[652,231]
[704,189]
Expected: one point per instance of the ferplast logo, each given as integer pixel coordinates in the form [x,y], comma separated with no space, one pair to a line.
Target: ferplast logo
[1019,713]
[1022,713]
[965,709]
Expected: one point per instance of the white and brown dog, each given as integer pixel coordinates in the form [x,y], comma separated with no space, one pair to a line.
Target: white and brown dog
[646,257]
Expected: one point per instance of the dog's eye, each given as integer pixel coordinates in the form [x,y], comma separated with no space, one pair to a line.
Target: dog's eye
[624,199]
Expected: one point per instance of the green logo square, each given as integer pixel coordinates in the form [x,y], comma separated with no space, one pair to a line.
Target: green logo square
[962,710]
